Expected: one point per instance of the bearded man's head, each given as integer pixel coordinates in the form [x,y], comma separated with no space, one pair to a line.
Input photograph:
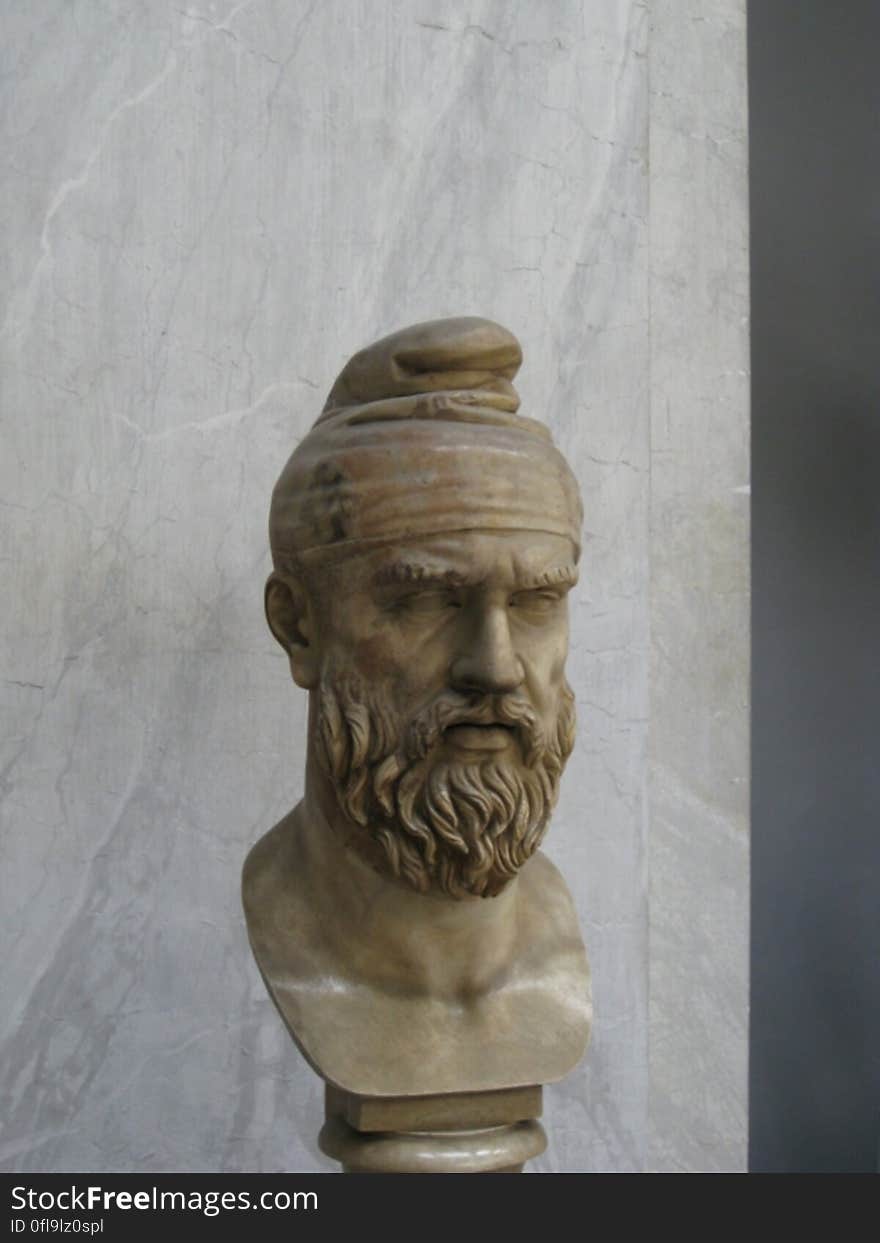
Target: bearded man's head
[425,536]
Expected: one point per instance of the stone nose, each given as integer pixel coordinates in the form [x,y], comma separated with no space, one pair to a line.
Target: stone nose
[487,660]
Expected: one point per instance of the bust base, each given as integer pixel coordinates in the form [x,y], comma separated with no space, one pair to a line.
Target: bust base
[459,1133]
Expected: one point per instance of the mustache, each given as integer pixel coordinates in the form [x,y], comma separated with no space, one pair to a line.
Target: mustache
[452,708]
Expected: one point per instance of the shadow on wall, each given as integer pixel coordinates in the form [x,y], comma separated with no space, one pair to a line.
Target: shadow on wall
[815,1052]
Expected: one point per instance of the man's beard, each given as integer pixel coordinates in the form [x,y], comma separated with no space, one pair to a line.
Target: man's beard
[460,826]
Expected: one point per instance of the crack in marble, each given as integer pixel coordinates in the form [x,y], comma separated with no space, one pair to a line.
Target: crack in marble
[225,419]
[15,325]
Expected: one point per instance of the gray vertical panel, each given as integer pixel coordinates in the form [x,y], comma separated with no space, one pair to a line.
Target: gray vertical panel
[815,136]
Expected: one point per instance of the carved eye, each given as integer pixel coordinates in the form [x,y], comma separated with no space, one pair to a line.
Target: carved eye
[538,603]
[428,602]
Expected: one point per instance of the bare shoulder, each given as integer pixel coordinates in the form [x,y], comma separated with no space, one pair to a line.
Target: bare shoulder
[267,855]
[549,934]
[546,895]
[269,879]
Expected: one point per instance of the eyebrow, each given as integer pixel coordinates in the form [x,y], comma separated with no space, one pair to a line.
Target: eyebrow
[558,576]
[403,572]
[398,573]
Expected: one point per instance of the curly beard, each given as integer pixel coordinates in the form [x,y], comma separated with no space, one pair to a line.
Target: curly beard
[461,827]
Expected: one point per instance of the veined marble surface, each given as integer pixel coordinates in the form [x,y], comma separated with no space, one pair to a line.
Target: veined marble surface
[209,207]
[698,776]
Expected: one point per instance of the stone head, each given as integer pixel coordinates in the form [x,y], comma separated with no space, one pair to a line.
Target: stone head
[424,537]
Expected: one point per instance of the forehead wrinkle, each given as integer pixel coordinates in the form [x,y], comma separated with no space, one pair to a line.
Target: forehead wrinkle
[405,571]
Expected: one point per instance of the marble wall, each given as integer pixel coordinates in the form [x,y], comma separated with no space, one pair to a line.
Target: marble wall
[698,776]
[209,207]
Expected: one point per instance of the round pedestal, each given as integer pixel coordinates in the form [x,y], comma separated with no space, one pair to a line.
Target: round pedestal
[487,1150]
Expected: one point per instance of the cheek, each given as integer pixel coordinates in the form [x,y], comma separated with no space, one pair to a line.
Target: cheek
[374,655]
[545,677]
[544,653]
[385,662]
[357,636]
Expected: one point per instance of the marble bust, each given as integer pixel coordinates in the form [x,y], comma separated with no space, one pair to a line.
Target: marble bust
[424,537]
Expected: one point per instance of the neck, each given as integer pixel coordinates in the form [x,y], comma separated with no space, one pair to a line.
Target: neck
[384,931]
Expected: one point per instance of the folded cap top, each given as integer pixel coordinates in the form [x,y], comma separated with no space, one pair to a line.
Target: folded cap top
[420,435]
[472,361]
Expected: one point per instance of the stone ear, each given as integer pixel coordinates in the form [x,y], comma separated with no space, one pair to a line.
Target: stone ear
[291,620]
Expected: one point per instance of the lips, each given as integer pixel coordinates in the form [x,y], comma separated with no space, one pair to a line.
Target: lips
[472,736]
